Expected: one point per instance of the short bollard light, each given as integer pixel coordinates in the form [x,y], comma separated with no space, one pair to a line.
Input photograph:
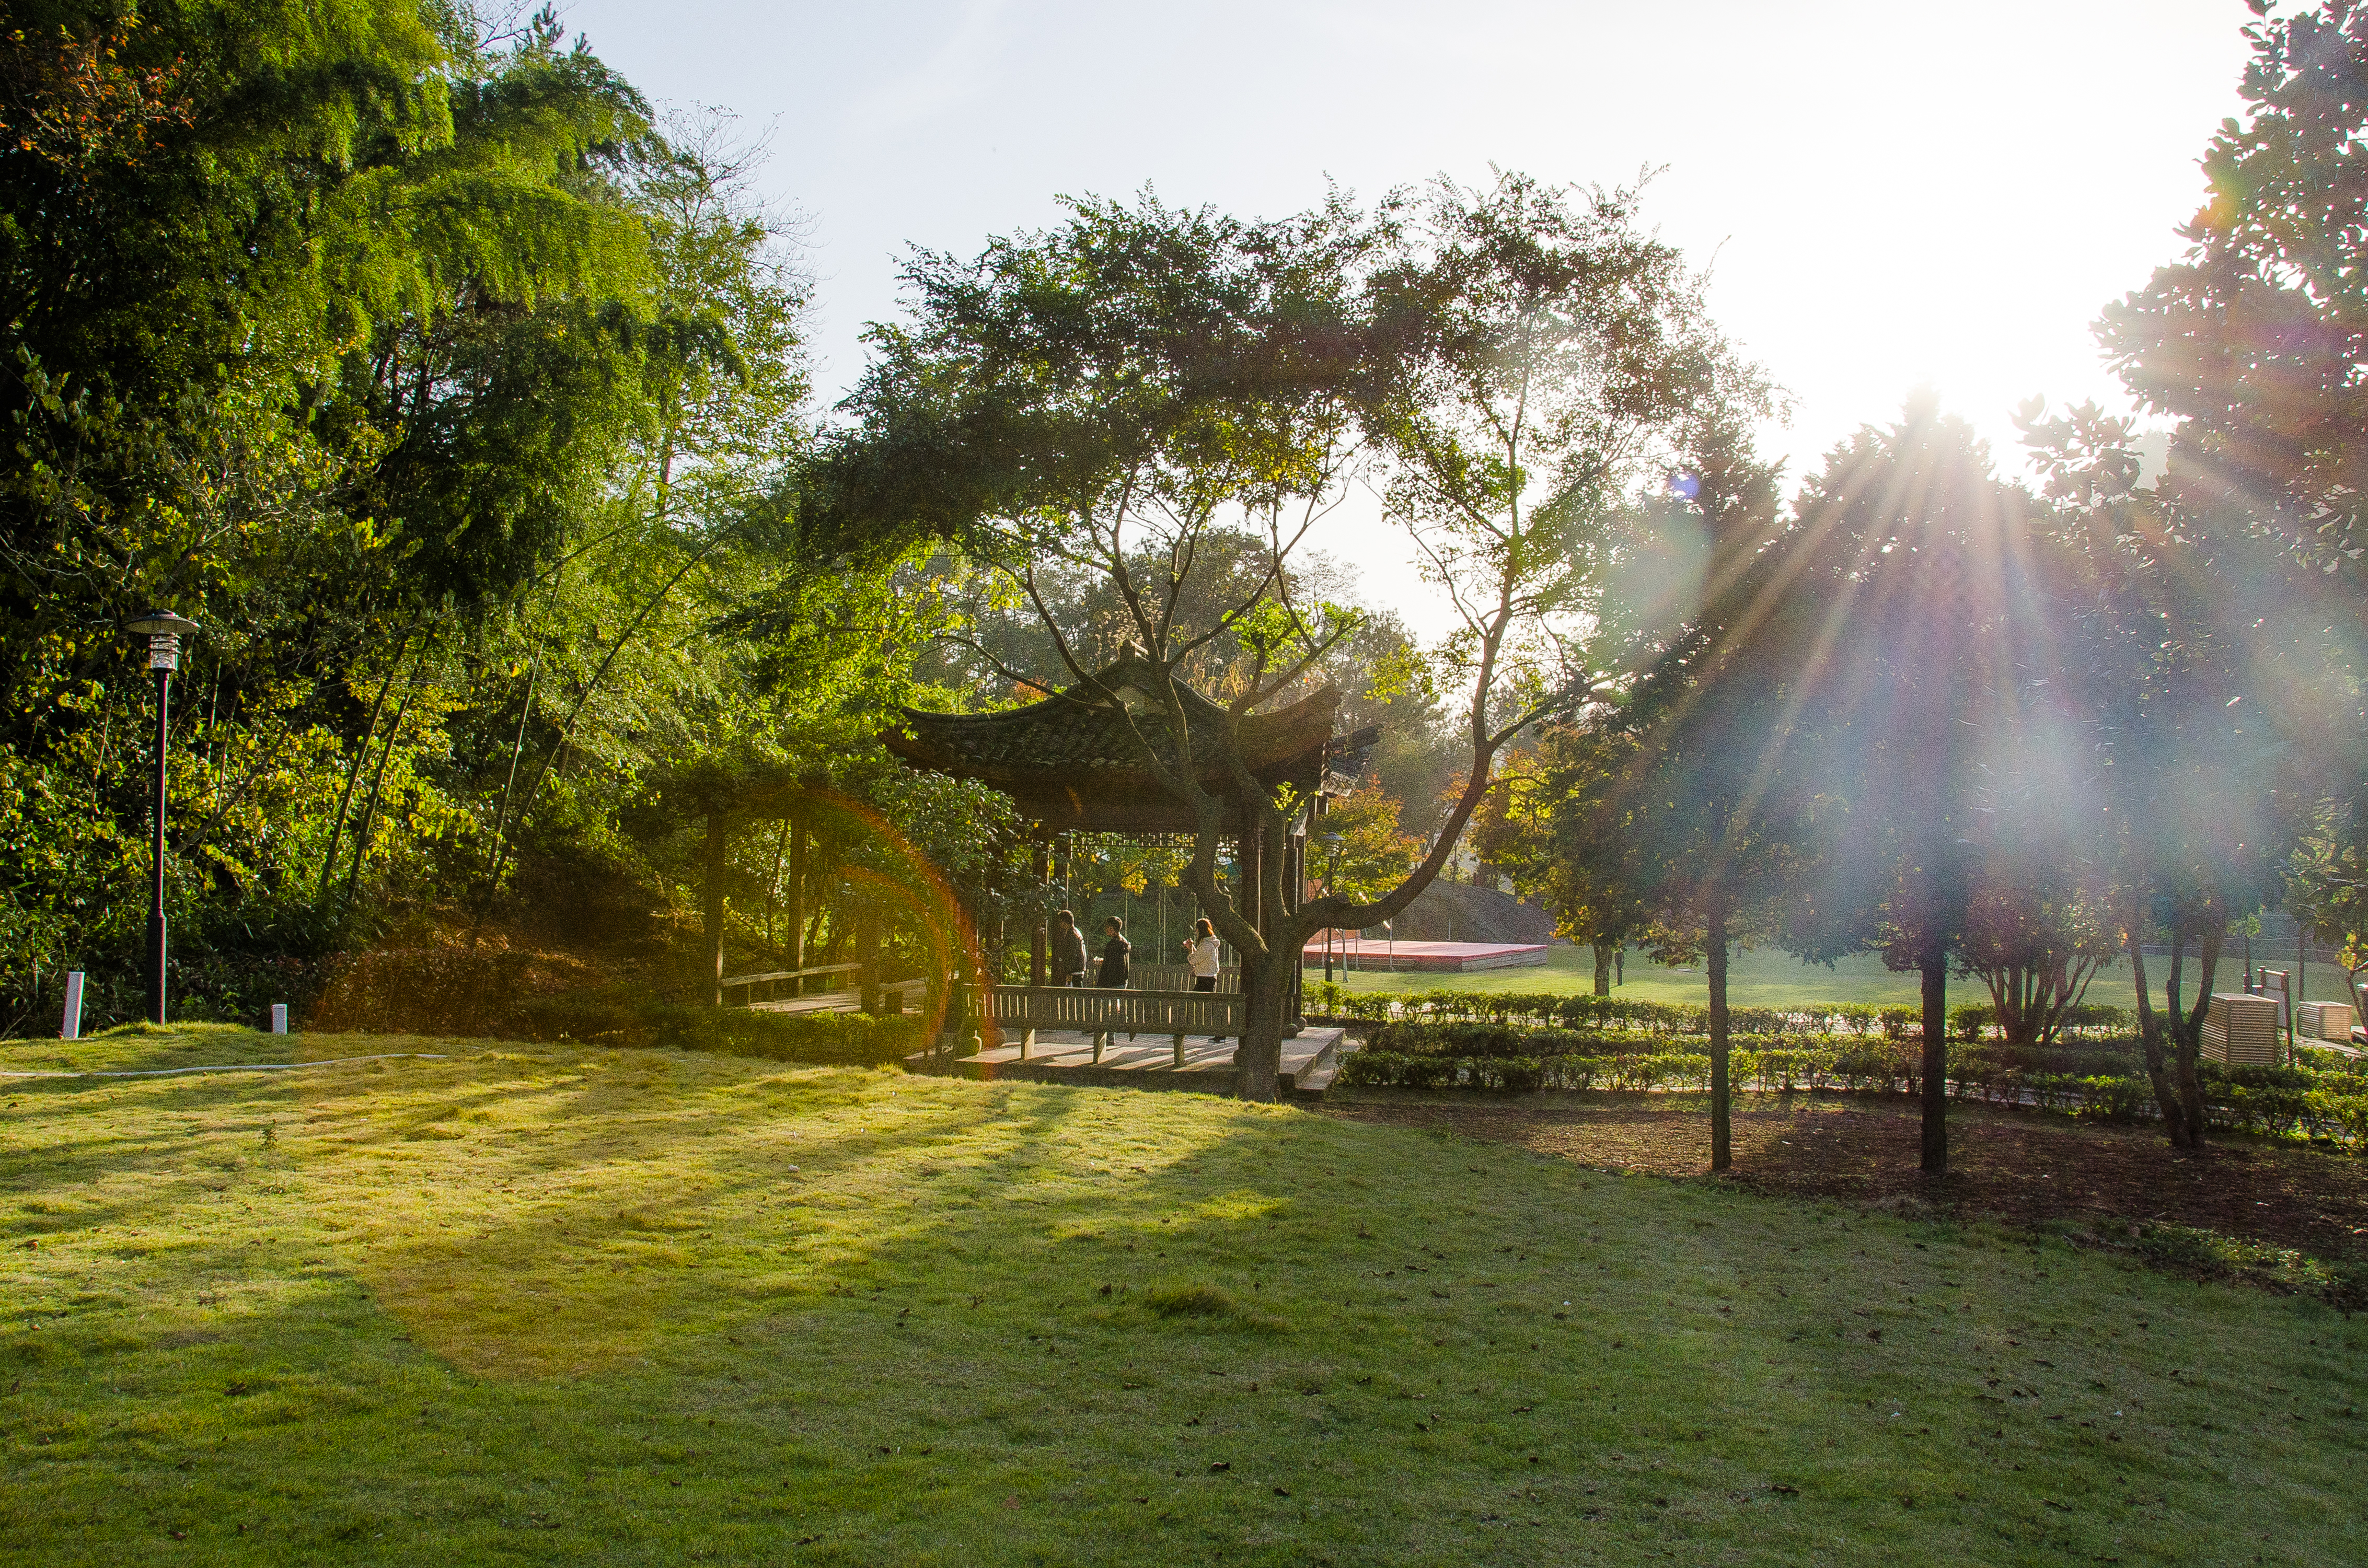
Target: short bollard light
[279,1017]
[70,1027]
[164,630]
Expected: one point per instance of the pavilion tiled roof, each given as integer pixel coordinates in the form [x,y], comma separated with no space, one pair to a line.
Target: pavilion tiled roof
[1071,758]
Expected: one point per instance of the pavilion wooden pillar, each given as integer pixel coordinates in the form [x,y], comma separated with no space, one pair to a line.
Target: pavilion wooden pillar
[1294,877]
[1039,934]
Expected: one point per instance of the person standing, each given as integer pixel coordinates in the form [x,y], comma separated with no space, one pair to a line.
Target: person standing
[1068,956]
[1116,953]
[1201,956]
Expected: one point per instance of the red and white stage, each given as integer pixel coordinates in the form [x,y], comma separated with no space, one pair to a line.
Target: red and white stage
[1353,952]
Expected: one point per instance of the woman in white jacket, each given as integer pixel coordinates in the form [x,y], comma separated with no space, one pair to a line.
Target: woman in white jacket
[1201,956]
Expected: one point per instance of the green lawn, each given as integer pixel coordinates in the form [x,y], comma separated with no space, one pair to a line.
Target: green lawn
[558,1305]
[1770,978]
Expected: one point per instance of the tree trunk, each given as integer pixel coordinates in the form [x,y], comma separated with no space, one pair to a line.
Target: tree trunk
[715,900]
[866,953]
[1603,968]
[1722,1139]
[1258,1054]
[2191,1030]
[354,768]
[2150,1027]
[796,903]
[1935,974]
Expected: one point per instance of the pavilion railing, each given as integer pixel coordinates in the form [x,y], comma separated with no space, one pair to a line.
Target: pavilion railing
[1022,1010]
[1179,977]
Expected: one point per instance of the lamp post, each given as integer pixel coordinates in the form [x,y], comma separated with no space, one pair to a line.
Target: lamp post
[164,630]
[1331,842]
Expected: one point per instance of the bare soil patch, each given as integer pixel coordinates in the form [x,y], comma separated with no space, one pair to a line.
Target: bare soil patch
[2024,1168]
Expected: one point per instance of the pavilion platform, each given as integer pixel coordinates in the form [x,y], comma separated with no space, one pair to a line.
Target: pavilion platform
[1310,1058]
[1445,957]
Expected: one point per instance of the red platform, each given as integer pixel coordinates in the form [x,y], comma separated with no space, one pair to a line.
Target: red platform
[1447,957]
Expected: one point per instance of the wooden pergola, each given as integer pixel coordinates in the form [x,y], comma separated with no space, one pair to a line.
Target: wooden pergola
[1070,765]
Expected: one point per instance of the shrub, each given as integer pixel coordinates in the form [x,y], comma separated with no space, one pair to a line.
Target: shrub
[2116,1100]
[849,1039]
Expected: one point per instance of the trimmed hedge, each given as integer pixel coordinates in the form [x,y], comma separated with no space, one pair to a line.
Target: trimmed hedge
[1626,1015]
[839,1040]
[1976,1020]
[1615,1014]
[2326,1099]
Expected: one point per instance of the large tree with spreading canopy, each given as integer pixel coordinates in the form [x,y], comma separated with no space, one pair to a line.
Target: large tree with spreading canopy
[1504,366]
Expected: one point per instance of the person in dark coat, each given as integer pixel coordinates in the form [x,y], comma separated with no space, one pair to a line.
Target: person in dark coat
[1068,956]
[1116,953]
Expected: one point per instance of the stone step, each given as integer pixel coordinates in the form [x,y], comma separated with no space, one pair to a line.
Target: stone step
[1310,1083]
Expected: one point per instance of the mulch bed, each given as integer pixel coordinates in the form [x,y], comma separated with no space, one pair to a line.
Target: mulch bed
[2023,1168]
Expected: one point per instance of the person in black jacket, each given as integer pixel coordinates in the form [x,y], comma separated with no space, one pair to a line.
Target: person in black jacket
[1116,953]
[1068,955]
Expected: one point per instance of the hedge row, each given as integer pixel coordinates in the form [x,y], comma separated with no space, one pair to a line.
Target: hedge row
[844,1040]
[1972,1021]
[2273,1102]
[1613,1013]
[1759,1063]
[1901,1059]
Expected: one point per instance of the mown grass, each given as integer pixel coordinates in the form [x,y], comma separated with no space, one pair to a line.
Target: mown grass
[1759,978]
[557,1305]
[1768,978]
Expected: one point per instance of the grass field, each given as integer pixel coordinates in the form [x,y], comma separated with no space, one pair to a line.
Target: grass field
[1768,978]
[556,1305]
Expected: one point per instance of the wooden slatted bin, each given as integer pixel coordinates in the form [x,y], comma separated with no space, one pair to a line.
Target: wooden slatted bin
[2325,1020]
[2241,1030]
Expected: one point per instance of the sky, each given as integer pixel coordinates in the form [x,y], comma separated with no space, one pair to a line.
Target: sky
[1887,197]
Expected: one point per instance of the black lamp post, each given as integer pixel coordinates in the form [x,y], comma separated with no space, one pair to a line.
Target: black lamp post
[164,630]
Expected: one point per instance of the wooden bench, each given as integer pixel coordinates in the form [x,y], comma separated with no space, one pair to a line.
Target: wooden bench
[1024,1009]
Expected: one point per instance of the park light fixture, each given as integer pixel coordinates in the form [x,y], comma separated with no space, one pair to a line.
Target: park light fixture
[164,630]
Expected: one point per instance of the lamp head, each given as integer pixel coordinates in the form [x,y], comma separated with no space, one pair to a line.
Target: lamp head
[1330,840]
[164,630]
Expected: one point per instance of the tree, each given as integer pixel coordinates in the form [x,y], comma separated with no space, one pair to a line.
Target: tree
[2197,793]
[1373,854]
[2038,921]
[309,336]
[1141,382]
[1562,835]
[1708,808]
[2256,340]
[2327,883]
[2253,342]
[1916,640]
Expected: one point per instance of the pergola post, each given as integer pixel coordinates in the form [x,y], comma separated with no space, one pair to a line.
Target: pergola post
[1038,936]
[1294,877]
